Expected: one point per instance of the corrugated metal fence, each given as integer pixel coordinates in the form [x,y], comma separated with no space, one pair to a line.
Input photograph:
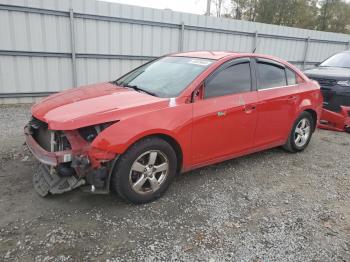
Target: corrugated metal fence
[50,45]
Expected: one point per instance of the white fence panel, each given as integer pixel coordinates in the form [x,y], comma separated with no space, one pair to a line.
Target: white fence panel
[38,54]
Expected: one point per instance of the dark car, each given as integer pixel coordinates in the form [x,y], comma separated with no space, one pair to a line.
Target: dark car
[333,75]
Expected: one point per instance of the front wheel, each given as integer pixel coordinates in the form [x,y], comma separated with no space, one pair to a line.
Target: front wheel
[145,170]
[300,134]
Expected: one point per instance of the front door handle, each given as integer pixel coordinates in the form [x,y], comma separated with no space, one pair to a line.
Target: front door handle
[221,113]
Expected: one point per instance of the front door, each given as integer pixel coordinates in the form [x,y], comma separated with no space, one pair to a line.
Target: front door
[224,117]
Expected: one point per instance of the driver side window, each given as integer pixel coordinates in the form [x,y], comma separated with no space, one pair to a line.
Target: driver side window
[231,80]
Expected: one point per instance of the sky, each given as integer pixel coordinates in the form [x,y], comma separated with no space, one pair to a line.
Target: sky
[187,6]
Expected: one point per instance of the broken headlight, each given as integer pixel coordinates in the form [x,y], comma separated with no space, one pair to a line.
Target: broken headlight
[89,133]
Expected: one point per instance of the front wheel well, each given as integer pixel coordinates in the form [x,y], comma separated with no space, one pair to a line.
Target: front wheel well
[173,143]
[176,146]
[314,118]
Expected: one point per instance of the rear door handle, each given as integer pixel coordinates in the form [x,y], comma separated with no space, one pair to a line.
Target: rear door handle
[291,99]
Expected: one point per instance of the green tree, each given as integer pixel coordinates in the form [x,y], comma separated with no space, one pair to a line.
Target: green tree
[326,15]
[296,13]
[334,16]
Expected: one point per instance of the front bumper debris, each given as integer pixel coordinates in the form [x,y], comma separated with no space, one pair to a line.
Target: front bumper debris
[47,181]
[335,121]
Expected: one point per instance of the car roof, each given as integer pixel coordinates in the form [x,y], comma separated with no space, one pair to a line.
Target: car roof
[215,55]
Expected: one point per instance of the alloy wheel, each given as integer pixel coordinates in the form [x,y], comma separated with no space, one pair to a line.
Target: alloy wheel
[148,172]
[302,132]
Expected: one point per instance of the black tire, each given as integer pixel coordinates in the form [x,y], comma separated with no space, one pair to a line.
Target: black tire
[347,129]
[291,145]
[122,174]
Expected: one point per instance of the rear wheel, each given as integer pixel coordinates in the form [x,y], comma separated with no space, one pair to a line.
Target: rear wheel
[347,129]
[145,170]
[300,134]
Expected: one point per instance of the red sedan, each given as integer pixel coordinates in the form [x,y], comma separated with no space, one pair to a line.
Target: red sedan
[171,115]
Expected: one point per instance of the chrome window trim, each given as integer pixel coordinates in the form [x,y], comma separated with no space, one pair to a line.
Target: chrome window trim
[277,87]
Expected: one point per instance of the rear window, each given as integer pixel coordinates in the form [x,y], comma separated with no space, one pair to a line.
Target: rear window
[270,76]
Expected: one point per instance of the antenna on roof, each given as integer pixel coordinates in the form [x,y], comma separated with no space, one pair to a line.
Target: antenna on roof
[254,50]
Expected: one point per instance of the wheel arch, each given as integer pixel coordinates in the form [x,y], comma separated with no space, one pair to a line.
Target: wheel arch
[172,142]
[314,117]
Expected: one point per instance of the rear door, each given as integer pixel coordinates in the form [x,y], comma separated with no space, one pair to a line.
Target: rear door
[224,119]
[277,101]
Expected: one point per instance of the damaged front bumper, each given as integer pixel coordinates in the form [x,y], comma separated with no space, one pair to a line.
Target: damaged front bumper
[45,157]
[65,170]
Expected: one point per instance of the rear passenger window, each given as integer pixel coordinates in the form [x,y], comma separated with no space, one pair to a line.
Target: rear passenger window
[232,80]
[291,77]
[270,76]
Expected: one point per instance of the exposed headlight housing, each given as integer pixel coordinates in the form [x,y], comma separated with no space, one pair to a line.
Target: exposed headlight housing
[89,133]
[344,83]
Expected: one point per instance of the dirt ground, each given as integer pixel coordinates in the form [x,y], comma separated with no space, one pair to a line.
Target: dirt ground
[269,206]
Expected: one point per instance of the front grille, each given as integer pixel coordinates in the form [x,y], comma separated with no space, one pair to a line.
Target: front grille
[327,95]
[37,123]
[327,92]
[48,139]
[325,82]
[41,133]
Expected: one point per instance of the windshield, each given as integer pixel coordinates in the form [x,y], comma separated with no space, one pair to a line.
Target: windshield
[338,60]
[165,77]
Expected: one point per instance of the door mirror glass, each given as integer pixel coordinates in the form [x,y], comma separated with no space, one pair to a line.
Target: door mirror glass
[197,94]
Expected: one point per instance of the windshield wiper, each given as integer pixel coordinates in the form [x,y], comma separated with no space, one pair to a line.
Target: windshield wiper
[115,82]
[136,88]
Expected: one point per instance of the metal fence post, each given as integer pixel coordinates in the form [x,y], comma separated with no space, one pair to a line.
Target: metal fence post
[72,42]
[256,39]
[306,51]
[182,36]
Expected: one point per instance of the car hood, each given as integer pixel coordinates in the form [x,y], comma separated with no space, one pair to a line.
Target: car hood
[94,104]
[336,73]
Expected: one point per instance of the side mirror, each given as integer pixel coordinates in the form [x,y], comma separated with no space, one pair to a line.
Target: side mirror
[317,64]
[197,93]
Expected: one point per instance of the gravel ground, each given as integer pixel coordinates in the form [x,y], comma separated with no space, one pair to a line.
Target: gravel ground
[269,206]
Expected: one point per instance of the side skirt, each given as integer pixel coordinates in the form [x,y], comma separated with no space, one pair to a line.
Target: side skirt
[235,155]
